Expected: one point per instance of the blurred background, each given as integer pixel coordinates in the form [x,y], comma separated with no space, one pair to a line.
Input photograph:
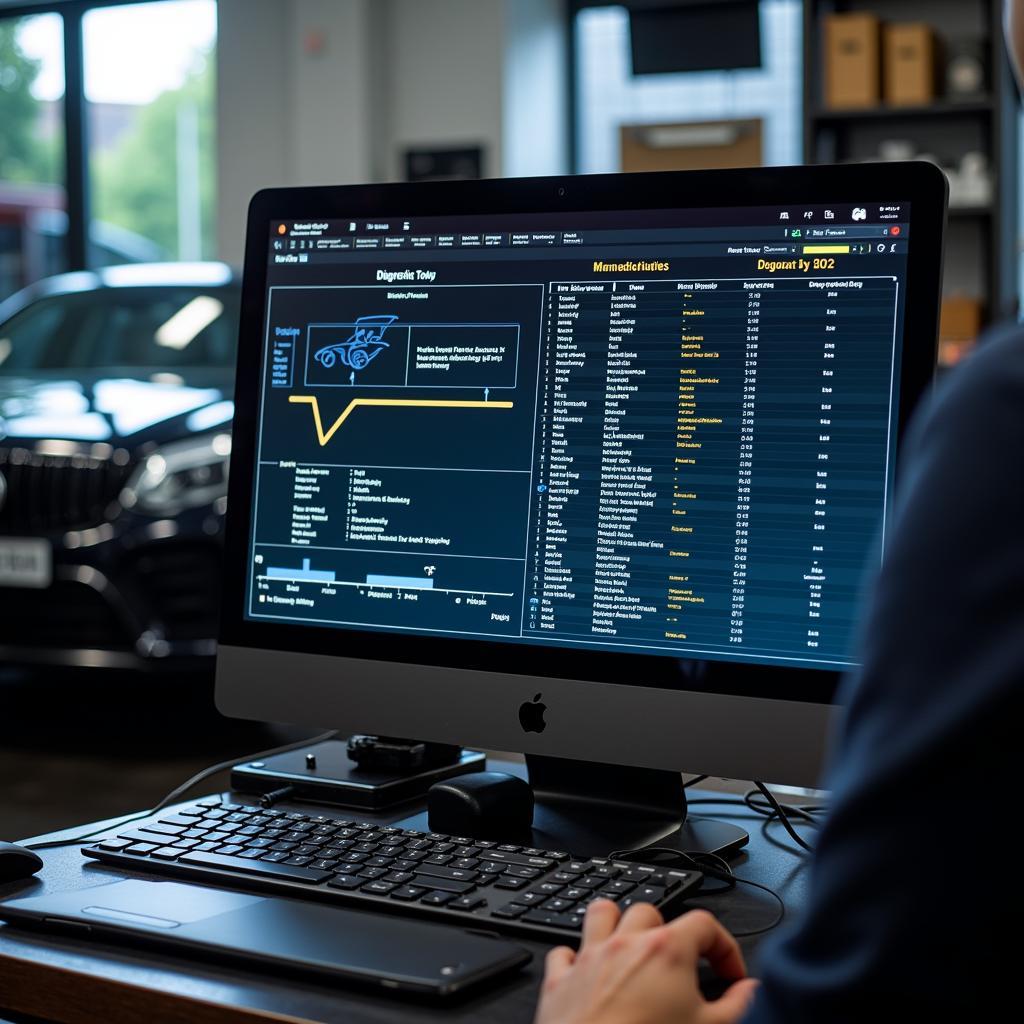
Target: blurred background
[132,136]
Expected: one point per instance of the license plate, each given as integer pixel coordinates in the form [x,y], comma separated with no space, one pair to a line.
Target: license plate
[25,562]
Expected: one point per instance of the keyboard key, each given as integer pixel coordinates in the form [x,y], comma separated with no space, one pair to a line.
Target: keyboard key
[507,882]
[324,864]
[607,871]
[548,918]
[517,872]
[407,892]
[502,856]
[437,871]
[114,844]
[550,888]
[510,911]
[142,848]
[167,853]
[164,830]
[378,888]
[468,902]
[254,867]
[557,905]
[346,882]
[637,874]
[399,877]
[648,894]
[178,819]
[230,849]
[446,884]
[372,872]
[565,876]
[251,854]
[437,898]
[619,886]
[530,899]
[298,860]
[185,844]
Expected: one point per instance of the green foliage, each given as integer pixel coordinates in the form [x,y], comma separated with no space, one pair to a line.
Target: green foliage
[23,156]
[135,181]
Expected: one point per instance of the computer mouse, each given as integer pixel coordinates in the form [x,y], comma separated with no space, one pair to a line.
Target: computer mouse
[17,862]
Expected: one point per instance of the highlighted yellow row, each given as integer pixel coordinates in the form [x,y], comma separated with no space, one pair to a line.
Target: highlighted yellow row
[820,250]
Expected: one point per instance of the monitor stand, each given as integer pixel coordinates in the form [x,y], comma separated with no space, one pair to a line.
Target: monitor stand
[593,809]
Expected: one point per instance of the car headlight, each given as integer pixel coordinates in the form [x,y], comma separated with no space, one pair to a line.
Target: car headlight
[181,475]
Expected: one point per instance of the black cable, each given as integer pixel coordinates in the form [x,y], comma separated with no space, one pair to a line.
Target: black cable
[176,794]
[709,864]
[696,780]
[781,815]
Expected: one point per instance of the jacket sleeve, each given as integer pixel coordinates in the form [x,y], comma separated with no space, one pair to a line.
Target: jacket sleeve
[900,917]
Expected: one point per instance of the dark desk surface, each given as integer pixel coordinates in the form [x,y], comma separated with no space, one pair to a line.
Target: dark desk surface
[75,981]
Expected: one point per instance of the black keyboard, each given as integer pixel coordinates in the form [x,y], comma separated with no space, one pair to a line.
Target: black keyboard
[508,888]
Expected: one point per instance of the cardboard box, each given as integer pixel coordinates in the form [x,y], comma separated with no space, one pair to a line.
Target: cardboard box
[909,62]
[959,327]
[960,319]
[853,73]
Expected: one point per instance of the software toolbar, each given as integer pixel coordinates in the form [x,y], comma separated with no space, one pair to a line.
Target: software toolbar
[629,446]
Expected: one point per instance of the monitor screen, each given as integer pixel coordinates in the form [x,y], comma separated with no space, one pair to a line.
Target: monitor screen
[667,433]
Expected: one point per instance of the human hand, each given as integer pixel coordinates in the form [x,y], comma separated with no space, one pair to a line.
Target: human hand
[633,968]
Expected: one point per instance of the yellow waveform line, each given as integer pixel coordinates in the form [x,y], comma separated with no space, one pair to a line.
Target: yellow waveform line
[423,403]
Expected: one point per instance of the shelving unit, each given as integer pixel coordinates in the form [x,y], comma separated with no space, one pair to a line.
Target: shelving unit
[981,248]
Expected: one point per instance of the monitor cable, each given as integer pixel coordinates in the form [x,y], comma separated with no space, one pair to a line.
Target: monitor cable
[177,794]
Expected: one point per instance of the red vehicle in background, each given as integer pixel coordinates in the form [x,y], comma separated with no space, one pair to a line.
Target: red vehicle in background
[33,228]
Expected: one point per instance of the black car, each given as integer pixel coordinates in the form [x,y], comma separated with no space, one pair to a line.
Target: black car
[115,434]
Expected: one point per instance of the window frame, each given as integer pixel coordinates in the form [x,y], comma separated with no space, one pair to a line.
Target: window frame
[76,123]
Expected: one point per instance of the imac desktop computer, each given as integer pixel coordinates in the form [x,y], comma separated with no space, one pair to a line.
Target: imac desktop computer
[593,468]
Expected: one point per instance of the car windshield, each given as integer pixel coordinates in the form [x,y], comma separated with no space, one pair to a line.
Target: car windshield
[153,328]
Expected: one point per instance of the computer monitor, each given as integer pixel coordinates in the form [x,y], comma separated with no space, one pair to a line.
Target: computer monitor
[587,467]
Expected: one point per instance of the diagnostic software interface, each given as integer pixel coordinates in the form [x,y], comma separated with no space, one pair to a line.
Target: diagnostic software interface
[665,432]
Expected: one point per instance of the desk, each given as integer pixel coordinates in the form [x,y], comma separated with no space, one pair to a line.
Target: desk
[78,982]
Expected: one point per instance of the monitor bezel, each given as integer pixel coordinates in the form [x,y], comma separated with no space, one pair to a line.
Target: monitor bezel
[920,184]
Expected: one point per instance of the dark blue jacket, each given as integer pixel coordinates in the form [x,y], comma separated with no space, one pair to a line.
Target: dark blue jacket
[916,881]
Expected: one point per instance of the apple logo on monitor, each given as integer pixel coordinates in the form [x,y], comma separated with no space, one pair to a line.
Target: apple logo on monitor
[531,715]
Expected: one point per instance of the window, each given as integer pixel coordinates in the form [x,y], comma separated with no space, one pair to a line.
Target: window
[609,97]
[149,88]
[106,135]
[33,218]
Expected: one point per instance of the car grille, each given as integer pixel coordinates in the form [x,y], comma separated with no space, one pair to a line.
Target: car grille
[66,614]
[57,492]
[180,585]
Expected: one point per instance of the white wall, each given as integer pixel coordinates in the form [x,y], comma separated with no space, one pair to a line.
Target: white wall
[535,90]
[445,76]
[332,91]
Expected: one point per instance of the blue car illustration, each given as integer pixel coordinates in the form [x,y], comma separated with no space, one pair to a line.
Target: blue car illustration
[362,346]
